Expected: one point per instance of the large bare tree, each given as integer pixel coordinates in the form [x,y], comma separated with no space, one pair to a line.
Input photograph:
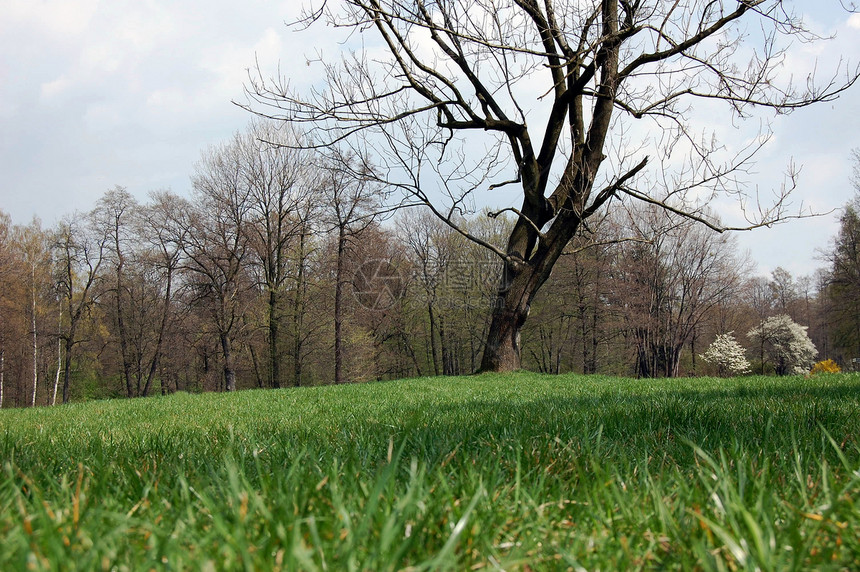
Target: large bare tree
[566,99]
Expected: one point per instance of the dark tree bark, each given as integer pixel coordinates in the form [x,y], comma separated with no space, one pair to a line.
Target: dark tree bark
[338,304]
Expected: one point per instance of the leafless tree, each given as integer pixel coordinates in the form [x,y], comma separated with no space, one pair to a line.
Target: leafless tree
[32,245]
[562,98]
[113,217]
[669,282]
[351,198]
[215,245]
[280,184]
[429,243]
[7,282]
[163,255]
[79,252]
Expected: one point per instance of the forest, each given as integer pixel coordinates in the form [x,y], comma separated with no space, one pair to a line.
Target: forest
[281,268]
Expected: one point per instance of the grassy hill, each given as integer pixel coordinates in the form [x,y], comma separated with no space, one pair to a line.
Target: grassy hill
[514,471]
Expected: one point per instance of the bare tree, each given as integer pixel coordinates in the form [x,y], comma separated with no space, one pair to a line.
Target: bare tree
[215,245]
[78,253]
[7,282]
[279,179]
[32,245]
[669,282]
[785,291]
[113,217]
[428,241]
[351,198]
[551,96]
[163,253]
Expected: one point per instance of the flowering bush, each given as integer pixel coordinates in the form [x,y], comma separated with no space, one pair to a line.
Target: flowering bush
[727,354]
[786,344]
[826,366]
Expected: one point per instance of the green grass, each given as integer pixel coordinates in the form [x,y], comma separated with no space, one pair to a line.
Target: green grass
[497,471]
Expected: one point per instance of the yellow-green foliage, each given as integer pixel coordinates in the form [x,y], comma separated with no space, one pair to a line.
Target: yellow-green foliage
[826,366]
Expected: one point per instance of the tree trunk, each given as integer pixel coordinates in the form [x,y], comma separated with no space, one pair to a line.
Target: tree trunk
[338,306]
[434,352]
[156,355]
[229,371]
[123,335]
[274,357]
[502,351]
[299,312]
[35,343]
[592,364]
[59,358]
[256,363]
[67,368]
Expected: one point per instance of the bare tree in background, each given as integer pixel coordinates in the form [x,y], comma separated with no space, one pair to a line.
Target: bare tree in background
[432,250]
[113,217]
[669,282]
[561,98]
[8,281]
[351,198]
[215,244]
[163,252]
[278,177]
[79,252]
[34,251]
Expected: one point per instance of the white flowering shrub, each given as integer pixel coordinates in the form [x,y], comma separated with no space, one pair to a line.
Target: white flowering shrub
[727,355]
[786,344]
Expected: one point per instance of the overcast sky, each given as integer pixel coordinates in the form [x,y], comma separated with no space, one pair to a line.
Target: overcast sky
[97,94]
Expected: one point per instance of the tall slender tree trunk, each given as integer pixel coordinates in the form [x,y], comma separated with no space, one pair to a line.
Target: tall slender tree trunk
[59,369]
[35,341]
[592,364]
[274,334]
[59,357]
[156,356]
[338,306]
[229,369]
[693,349]
[299,312]
[444,346]
[123,335]
[256,363]
[67,367]
[434,352]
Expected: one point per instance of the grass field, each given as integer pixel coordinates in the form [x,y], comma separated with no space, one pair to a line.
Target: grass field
[489,472]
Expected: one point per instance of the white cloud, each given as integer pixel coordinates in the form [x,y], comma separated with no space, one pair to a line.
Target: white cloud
[60,18]
[100,117]
[54,89]
[854,21]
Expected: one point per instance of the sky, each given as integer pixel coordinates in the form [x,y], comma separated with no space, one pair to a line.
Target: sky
[95,94]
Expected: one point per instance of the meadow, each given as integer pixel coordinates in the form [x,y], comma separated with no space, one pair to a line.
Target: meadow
[515,472]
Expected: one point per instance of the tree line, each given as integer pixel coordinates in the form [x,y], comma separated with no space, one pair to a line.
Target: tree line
[283,267]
